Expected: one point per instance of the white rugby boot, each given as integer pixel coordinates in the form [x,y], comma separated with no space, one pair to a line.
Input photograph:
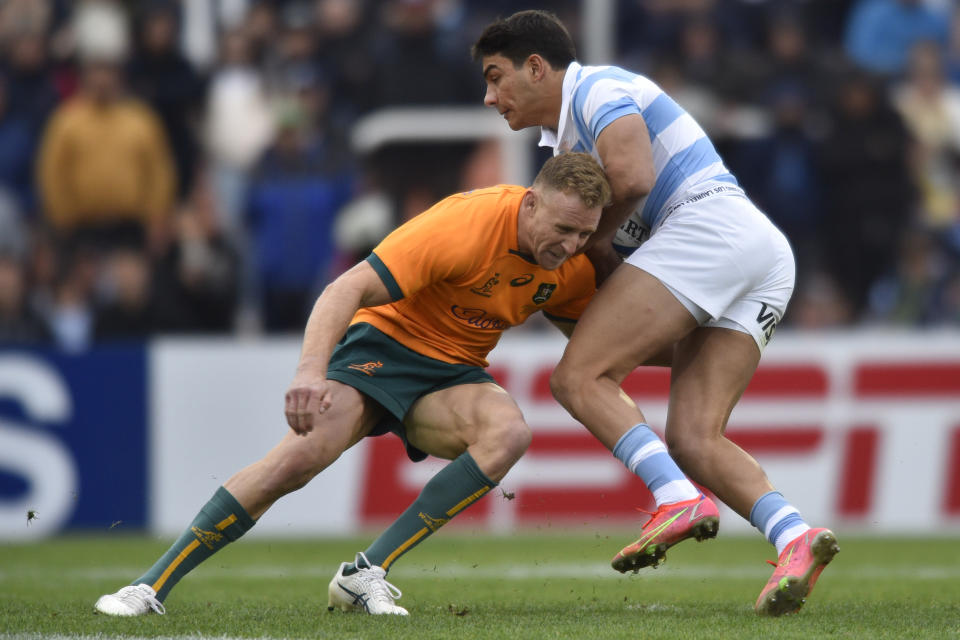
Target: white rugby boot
[366,590]
[133,600]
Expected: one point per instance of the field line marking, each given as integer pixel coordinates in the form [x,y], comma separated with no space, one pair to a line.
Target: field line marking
[492,572]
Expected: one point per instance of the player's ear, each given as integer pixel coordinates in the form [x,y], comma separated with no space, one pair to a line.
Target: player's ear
[529,200]
[536,66]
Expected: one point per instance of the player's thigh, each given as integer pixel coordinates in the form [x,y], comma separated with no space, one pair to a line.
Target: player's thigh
[446,422]
[633,319]
[351,416]
[711,369]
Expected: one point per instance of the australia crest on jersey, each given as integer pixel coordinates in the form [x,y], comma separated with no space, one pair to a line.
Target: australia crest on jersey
[544,291]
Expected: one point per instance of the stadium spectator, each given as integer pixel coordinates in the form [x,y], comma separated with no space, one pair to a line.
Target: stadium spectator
[649,28]
[196,281]
[18,140]
[69,310]
[930,108]
[261,27]
[819,303]
[881,33]
[32,92]
[238,126]
[125,308]
[411,39]
[789,58]
[295,52]
[296,191]
[948,308]
[19,324]
[105,172]
[780,171]
[345,36]
[705,62]
[911,295]
[952,54]
[868,192]
[161,76]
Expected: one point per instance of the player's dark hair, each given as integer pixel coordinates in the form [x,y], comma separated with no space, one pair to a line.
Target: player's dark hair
[579,173]
[524,33]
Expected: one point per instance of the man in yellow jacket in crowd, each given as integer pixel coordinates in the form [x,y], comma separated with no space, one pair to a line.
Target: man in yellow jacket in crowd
[105,170]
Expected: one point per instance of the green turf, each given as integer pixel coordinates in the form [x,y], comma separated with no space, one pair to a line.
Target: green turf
[462,586]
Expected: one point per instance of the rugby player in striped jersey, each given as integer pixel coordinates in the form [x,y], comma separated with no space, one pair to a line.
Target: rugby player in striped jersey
[705,280]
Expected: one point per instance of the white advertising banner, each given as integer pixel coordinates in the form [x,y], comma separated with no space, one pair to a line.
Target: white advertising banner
[860,430]
[217,407]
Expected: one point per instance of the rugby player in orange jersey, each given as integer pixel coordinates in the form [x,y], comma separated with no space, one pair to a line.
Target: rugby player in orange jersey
[415,322]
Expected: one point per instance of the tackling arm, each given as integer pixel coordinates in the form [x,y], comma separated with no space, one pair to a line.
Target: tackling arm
[624,148]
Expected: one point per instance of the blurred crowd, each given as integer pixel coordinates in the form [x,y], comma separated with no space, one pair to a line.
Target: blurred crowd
[185,166]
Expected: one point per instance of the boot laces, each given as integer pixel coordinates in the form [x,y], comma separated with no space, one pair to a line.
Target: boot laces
[141,594]
[375,582]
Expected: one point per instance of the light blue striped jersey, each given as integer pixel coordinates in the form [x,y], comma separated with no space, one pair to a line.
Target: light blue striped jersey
[683,156]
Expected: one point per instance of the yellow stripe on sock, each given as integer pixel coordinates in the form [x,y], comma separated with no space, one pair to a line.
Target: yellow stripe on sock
[173,565]
[226,522]
[466,502]
[406,545]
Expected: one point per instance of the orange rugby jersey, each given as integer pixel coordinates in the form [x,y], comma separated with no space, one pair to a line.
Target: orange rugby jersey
[458,279]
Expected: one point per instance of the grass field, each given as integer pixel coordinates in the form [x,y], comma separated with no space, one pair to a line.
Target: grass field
[462,586]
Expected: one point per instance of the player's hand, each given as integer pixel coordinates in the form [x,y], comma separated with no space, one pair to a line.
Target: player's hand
[306,400]
[604,258]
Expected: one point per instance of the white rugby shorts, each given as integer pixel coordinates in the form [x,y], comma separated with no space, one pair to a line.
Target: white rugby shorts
[724,261]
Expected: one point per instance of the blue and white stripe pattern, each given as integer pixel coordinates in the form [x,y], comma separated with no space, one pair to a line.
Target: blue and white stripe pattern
[683,155]
[777,519]
[643,453]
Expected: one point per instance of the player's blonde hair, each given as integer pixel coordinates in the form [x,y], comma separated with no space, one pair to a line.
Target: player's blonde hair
[578,173]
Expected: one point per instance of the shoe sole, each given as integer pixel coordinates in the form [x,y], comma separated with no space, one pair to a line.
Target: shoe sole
[654,554]
[792,591]
[349,608]
[103,607]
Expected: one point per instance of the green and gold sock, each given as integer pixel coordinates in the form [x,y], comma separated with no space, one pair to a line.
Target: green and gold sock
[453,489]
[221,521]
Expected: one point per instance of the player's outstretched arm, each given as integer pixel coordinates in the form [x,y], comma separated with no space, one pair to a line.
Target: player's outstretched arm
[307,398]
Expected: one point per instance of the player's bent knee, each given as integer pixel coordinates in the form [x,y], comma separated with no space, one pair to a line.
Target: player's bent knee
[687,449]
[502,445]
[564,384]
[516,438]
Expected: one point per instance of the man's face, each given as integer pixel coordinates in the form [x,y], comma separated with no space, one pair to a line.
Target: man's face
[558,225]
[509,91]
[102,80]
